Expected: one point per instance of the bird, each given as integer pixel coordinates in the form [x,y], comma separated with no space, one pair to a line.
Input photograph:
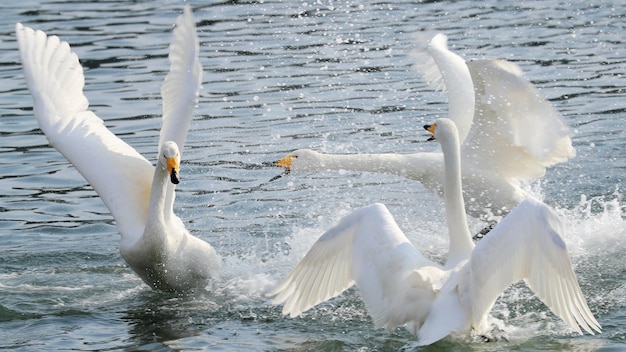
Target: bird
[140,196]
[508,133]
[402,287]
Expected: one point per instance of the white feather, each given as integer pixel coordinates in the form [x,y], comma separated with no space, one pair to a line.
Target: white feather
[401,287]
[154,242]
[508,132]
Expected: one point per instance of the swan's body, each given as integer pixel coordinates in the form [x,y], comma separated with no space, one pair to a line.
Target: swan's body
[400,286]
[508,133]
[155,242]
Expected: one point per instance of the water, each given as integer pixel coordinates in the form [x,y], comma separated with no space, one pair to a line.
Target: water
[333,76]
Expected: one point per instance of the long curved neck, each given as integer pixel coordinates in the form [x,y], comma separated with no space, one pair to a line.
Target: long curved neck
[161,200]
[396,164]
[461,244]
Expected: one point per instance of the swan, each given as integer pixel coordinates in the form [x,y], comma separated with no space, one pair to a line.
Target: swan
[154,241]
[401,287]
[508,133]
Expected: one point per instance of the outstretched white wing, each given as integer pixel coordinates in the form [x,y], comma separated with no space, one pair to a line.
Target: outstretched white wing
[516,132]
[437,64]
[367,248]
[504,123]
[182,84]
[121,176]
[526,245]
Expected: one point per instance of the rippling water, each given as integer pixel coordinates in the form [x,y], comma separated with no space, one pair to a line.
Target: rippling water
[334,76]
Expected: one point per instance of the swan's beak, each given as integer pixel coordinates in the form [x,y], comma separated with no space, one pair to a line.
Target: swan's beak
[173,166]
[431,128]
[286,163]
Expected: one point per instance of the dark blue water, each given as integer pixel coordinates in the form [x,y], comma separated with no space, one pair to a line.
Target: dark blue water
[333,76]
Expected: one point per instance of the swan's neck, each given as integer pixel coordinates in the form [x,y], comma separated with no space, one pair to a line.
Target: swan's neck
[461,244]
[395,164]
[161,203]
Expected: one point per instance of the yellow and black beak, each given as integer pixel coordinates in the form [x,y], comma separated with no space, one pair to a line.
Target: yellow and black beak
[173,166]
[431,128]
[286,162]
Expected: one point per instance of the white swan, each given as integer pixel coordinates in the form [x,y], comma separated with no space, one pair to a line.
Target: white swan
[402,287]
[154,242]
[510,134]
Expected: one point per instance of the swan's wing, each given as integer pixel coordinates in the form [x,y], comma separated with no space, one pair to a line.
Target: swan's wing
[121,176]
[527,245]
[516,132]
[438,64]
[181,87]
[368,248]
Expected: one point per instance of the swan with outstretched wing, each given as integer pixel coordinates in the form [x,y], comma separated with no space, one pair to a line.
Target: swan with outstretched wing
[508,132]
[401,287]
[140,196]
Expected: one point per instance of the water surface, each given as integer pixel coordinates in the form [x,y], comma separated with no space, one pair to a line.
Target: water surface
[333,76]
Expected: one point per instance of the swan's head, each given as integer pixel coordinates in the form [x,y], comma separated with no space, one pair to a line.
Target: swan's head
[443,130]
[301,160]
[169,157]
